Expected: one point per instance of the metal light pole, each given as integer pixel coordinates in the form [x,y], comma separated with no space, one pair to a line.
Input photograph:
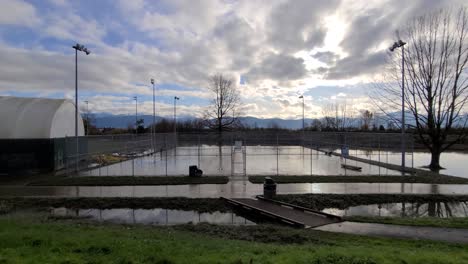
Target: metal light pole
[153,127]
[87,117]
[136,114]
[401,44]
[175,116]
[303,124]
[77,48]
[175,123]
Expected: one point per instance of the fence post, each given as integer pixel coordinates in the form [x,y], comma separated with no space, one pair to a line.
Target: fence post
[378,138]
[311,159]
[277,156]
[198,152]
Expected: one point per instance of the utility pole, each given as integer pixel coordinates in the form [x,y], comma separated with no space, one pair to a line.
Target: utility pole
[87,117]
[401,44]
[153,127]
[77,48]
[136,114]
[303,116]
[175,115]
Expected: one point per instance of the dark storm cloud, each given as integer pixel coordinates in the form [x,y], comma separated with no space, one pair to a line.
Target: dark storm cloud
[356,65]
[279,67]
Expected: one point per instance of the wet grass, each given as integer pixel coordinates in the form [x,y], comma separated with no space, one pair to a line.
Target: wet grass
[175,203]
[128,180]
[343,201]
[439,179]
[453,222]
[28,240]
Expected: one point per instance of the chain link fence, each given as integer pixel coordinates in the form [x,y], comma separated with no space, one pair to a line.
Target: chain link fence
[237,153]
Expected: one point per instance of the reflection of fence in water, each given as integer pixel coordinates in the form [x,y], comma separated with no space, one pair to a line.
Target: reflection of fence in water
[260,153]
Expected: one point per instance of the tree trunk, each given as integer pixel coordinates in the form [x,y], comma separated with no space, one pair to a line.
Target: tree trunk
[435,160]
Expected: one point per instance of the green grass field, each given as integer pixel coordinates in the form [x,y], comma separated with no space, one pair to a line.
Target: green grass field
[36,240]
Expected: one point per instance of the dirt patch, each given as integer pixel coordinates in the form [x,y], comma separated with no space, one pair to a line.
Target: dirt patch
[174,203]
[440,179]
[129,180]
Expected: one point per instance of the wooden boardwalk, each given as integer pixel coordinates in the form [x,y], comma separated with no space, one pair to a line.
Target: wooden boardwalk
[289,214]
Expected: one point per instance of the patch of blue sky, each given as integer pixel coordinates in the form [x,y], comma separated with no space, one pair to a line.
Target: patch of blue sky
[242,80]
[329,91]
[19,36]
[20,93]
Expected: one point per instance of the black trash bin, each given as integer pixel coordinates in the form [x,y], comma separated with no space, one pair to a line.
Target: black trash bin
[194,171]
[269,188]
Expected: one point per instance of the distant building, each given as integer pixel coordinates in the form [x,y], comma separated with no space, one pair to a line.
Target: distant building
[35,133]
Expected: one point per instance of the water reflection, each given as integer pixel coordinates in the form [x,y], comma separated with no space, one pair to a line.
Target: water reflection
[453,162]
[233,189]
[157,216]
[254,160]
[432,209]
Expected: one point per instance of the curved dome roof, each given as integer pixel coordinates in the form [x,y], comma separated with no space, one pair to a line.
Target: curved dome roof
[38,118]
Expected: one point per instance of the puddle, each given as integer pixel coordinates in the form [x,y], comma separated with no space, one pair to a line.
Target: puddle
[439,209]
[233,189]
[155,216]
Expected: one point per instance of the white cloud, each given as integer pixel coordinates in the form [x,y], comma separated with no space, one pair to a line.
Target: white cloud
[18,12]
[279,48]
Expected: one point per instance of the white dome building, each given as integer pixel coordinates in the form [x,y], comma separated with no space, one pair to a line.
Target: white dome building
[37,118]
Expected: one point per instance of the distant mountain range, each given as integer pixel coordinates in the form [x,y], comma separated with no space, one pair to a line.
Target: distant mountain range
[102,120]
[123,121]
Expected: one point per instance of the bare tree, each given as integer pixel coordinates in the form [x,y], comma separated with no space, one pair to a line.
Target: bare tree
[366,119]
[223,112]
[436,80]
[337,116]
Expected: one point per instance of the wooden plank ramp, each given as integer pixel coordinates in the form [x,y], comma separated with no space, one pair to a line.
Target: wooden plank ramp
[287,213]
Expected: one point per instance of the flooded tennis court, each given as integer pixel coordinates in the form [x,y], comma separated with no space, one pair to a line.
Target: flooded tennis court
[242,160]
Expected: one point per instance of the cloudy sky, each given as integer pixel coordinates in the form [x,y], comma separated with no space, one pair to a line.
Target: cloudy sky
[328,50]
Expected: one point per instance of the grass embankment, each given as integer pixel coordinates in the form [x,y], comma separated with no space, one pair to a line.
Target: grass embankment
[364,179]
[128,180]
[454,222]
[36,241]
[175,203]
[107,159]
[343,201]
